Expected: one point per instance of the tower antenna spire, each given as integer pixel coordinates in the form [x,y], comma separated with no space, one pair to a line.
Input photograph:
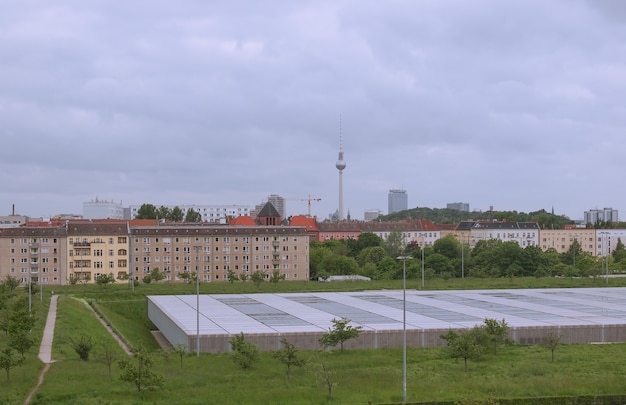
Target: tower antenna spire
[340,165]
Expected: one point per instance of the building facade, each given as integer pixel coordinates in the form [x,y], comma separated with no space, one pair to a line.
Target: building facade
[605,215]
[83,251]
[397,200]
[210,213]
[102,209]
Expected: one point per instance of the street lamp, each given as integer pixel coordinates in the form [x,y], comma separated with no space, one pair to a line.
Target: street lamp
[422,265]
[197,248]
[403,258]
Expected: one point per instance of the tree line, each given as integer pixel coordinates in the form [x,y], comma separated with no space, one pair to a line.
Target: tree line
[176,214]
[373,257]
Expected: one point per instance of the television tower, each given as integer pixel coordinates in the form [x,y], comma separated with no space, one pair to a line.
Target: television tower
[340,165]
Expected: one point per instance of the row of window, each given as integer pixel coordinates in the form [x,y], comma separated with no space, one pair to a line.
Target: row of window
[224,239]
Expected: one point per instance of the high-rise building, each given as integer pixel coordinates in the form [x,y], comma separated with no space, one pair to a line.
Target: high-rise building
[606,215]
[340,165]
[372,214]
[280,203]
[459,206]
[397,201]
[102,209]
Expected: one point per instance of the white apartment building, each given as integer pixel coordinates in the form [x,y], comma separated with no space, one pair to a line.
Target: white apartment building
[209,213]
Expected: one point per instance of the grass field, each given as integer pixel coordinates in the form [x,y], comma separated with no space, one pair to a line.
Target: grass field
[359,377]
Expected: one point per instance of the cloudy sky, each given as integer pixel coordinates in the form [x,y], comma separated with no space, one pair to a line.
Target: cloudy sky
[517,104]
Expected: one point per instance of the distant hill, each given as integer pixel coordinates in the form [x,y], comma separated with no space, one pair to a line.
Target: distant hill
[545,219]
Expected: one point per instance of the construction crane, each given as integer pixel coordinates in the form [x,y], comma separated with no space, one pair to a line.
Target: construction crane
[308,200]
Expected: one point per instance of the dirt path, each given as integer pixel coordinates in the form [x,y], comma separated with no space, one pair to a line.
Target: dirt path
[45,349]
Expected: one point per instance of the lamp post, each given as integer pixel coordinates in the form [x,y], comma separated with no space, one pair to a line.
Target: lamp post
[422,265]
[403,258]
[462,260]
[197,248]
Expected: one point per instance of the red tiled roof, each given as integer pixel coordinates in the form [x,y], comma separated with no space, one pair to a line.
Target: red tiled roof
[300,220]
[243,220]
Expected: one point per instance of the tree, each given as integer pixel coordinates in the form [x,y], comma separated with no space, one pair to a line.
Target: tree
[257,278]
[181,352]
[231,276]
[438,263]
[11,283]
[244,353]
[326,377]
[139,371]
[106,355]
[276,276]
[146,211]
[157,275]
[9,361]
[163,213]
[468,344]
[619,253]
[339,333]
[176,215]
[193,216]
[497,332]
[551,341]
[82,346]
[448,246]
[105,279]
[288,355]
[21,341]
[394,243]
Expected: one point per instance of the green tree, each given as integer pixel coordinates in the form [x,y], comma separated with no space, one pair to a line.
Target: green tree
[82,346]
[619,253]
[244,353]
[176,215]
[288,355]
[231,276]
[497,332]
[138,371]
[438,263]
[107,356]
[467,344]
[181,352]
[146,211]
[276,276]
[163,213]
[574,252]
[21,341]
[374,254]
[8,361]
[193,216]
[257,278]
[394,243]
[105,279]
[448,246]
[339,333]
[11,283]
[157,275]
[551,341]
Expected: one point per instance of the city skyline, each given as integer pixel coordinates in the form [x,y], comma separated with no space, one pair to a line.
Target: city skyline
[509,105]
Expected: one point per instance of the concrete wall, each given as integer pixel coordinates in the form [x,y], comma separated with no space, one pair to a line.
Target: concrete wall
[415,338]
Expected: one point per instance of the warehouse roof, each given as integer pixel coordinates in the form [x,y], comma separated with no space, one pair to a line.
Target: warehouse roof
[383,310]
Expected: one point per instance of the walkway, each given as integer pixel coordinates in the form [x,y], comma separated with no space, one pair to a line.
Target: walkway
[45,350]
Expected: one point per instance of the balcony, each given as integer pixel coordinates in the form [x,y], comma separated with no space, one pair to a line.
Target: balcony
[85,244]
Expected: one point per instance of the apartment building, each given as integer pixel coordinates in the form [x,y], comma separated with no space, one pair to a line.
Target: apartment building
[561,239]
[95,249]
[33,253]
[82,251]
[214,251]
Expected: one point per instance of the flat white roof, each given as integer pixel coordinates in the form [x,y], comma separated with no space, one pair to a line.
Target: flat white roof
[383,310]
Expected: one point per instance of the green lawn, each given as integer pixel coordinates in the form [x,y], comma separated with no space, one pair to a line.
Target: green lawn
[359,376]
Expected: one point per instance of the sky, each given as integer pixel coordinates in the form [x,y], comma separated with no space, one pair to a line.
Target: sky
[518,104]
